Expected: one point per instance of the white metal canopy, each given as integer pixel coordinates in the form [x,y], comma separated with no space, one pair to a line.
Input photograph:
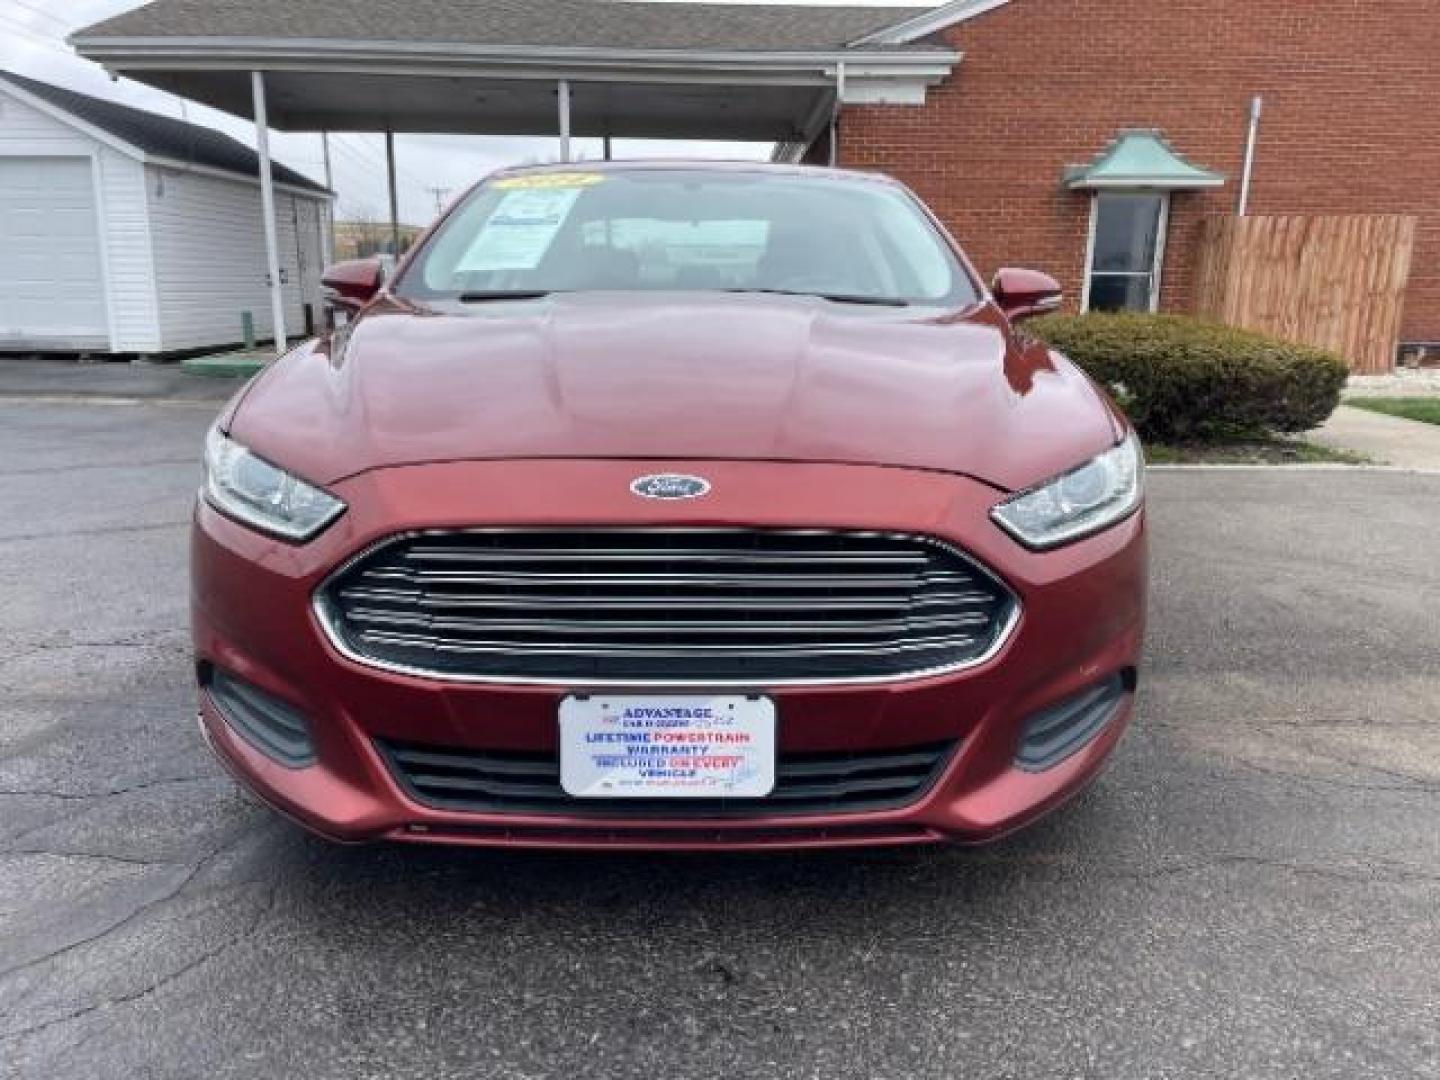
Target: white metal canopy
[375,72]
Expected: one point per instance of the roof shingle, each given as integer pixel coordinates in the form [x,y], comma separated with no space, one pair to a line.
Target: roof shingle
[557,23]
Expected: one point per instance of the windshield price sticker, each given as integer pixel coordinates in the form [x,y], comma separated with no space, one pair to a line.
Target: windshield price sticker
[667,747]
[520,230]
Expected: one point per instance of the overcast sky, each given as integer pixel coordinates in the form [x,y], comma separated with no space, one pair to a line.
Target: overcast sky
[32,34]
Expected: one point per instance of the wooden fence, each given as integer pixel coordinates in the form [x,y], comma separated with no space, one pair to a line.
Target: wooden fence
[1335,282]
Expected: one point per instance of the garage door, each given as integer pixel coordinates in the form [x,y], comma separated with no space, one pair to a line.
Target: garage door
[51,283]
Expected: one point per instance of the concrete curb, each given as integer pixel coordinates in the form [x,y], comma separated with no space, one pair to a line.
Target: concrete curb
[1312,466]
[110,400]
[222,367]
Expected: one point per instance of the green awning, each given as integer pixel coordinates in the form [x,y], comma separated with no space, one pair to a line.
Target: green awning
[1140,159]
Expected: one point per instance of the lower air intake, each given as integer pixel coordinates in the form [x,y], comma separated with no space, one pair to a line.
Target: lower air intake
[496,782]
[1063,730]
[266,723]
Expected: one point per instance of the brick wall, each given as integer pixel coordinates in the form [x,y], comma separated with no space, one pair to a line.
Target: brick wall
[1351,125]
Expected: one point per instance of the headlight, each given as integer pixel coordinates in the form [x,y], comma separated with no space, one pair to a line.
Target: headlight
[251,489]
[1082,501]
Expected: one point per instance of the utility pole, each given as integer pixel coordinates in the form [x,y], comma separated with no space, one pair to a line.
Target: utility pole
[440,193]
[394,194]
[330,206]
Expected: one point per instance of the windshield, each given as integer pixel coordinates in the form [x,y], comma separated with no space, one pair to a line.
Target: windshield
[670,229]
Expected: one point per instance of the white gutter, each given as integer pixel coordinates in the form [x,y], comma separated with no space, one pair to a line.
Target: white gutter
[224,52]
[1251,139]
[1147,183]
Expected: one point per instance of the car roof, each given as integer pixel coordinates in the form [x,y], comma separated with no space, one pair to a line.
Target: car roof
[698,165]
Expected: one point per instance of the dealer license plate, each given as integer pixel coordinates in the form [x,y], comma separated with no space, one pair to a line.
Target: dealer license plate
[667,747]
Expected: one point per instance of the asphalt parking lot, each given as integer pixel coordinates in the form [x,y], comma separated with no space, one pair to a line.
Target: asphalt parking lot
[1253,890]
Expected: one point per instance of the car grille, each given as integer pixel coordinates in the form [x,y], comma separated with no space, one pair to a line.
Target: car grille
[479,781]
[733,606]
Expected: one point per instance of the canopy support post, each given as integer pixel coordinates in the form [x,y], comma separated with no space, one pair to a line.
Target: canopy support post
[563,103]
[394,194]
[835,114]
[267,208]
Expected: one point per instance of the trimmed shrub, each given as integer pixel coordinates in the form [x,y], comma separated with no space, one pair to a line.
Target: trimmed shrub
[1180,379]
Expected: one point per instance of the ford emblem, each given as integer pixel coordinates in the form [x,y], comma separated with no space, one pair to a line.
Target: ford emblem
[670,486]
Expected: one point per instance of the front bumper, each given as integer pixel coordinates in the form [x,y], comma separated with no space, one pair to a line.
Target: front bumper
[1081,622]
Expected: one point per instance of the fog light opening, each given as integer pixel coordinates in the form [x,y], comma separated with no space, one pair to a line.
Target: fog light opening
[269,725]
[1061,731]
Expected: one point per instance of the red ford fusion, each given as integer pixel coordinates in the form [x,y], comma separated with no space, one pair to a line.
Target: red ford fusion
[671,506]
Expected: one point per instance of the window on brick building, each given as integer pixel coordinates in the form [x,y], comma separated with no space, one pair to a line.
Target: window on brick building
[1127,248]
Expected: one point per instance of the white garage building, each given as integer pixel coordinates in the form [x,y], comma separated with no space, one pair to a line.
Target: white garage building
[123,231]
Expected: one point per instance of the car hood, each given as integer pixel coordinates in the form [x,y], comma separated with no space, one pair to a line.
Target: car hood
[680,377]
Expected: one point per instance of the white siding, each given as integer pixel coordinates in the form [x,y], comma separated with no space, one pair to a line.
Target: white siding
[125,234]
[26,131]
[210,258]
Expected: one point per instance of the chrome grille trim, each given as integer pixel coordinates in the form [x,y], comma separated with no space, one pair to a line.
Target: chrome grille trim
[709,581]
[699,611]
[706,603]
[657,651]
[613,628]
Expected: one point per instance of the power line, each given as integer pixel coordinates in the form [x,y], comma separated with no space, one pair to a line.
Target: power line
[42,13]
[380,162]
[9,22]
[338,139]
[359,152]
[36,38]
[365,164]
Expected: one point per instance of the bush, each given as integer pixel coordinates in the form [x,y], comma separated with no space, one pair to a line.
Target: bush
[1180,379]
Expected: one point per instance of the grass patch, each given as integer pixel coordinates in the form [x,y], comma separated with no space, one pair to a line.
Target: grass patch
[1251,451]
[1424,409]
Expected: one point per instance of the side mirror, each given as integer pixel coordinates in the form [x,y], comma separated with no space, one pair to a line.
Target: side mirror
[1023,294]
[350,285]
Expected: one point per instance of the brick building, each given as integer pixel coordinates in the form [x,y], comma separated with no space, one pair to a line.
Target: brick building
[1083,137]
[1350,124]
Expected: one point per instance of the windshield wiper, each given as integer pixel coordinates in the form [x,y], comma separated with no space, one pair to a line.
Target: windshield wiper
[834,298]
[484,295]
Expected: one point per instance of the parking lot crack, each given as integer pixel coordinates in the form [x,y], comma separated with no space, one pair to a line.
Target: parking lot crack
[252,928]
[98,856]
[145,641]
[108,530]
[48,470]
[80,796]
[179,886]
